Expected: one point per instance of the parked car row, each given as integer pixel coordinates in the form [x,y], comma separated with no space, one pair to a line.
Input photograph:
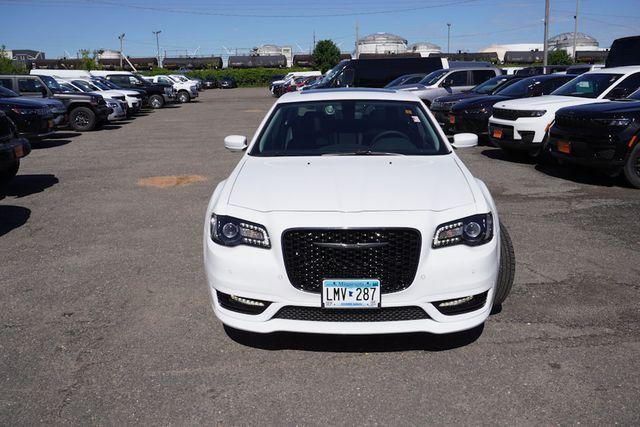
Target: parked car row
[591,119]
[225,82]
[34,106]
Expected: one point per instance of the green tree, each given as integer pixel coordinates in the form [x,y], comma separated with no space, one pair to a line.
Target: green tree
[559,57]
[7,66]
[88,60]
[326,55]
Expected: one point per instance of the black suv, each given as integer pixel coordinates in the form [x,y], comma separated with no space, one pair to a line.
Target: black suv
[86,111]
[603,135]
[158,93]
[12,149]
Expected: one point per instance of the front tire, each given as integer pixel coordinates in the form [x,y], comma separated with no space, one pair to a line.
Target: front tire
[631,168]
[82,119]
[9,173]
[156,101]
[507,271]
[183,96]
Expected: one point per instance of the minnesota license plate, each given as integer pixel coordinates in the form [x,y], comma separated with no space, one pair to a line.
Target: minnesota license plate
[351,293]
[497,133]
[564,147]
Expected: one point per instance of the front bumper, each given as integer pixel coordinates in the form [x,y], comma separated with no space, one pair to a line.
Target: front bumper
[442,117]
[13,150]
[476,123]
[35,127]
[511,140]
[260,274]
[596,150]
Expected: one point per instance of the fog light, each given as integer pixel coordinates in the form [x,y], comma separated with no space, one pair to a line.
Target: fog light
[454,302]
[246,301]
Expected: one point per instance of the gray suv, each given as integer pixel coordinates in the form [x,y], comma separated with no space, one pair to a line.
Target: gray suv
[449,81]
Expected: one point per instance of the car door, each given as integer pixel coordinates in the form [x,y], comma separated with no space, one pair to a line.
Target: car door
[28,86]
[458,81]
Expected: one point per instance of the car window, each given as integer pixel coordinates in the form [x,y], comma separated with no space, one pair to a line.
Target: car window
[490,85]
[7,93]
[348,127]
[163,79]
[120,79]
[412,80]
[590,85]
[549,85]
[635,95]
[432,78]
[480,76]
[68,88]
[83,86]
[8,83]
[30,86]
[625,88]
[458,78]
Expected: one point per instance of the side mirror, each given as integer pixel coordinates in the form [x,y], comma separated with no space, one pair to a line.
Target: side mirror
[465,140]
[235,142]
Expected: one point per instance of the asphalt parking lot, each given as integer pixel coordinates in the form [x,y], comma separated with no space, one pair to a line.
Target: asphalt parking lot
[106,319]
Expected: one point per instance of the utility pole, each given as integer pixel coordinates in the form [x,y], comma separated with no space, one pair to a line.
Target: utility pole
[546,35]
[314,41]
[121,37]
[448,38]
[158,47]
[575,34]
[357,39]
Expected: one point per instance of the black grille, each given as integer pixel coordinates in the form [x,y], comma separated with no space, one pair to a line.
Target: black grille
[571,121]
[394,262]
[502,113]
[387,314]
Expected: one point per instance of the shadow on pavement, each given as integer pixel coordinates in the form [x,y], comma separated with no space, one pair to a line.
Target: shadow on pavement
[110,127]
[354,343]
[49,143]
[62,135]
[12,217]
[581,175]
[500,154]
[25,185]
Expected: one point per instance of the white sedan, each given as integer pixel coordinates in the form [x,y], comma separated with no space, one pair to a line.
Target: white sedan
[350,213]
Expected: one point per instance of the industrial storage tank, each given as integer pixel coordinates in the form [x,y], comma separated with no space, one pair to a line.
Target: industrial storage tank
[565,41]
[381,43]
[425,49]
[254,61]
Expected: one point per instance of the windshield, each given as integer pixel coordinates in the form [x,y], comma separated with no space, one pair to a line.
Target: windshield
[100,85]
[349,127]
[397,82]
[68,88]
[518,89]
[83,86]
[51,84]
[635,95]
[7,93]
[180,78]
[490,85]
[431,79]
[332,72]
[589,85]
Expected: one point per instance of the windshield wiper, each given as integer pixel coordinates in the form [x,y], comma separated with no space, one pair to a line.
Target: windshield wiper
[363,153]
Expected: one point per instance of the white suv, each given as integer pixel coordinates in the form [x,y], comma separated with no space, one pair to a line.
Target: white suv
[350,213]
[186,91]
[523,124]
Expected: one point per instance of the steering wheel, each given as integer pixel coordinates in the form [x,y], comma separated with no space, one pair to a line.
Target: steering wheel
[387,134]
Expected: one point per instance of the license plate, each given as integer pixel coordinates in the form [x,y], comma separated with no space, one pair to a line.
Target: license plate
[18,151]
[452,120]
[351,293]
[497,133]
[564,147]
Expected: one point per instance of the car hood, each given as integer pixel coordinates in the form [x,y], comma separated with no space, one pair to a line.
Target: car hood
[54,104]
[601,108]
[546,102]
[484,100]
[23,102]
[350,184]
[457,97]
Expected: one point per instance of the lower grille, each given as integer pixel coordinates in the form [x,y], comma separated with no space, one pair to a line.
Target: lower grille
[388,254]
[387,314]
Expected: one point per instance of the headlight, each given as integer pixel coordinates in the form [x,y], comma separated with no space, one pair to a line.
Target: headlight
[537,113]
[481,110]
[25,111]
[472,231]
[614,122]
[230,231]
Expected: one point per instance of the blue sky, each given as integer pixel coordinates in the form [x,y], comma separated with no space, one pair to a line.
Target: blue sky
[56,26]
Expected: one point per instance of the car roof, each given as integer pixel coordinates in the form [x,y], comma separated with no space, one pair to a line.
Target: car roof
[347,93]
[621,70]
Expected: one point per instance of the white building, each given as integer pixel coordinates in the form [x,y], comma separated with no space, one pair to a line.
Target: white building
[271,49]
[562,41]
[425,49]
[381,43]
